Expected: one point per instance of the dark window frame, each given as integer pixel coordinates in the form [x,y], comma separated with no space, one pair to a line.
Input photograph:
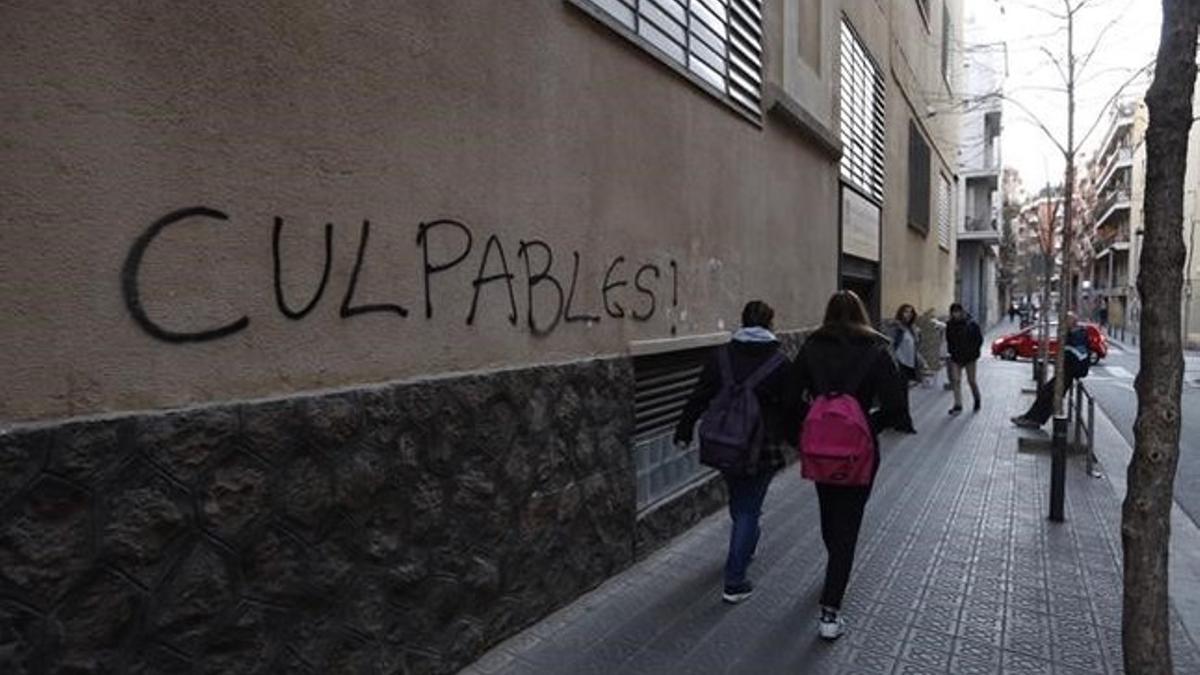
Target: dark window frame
[920,160]
[946,23]
[923,10]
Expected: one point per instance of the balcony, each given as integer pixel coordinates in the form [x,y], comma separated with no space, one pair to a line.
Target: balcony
[1121,158]
[1115,201]
[1111,239]
[979,229]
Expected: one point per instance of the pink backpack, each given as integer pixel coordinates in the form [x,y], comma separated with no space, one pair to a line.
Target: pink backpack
[836,444]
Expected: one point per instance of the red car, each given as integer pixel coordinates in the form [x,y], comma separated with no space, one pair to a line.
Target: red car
[1024,344]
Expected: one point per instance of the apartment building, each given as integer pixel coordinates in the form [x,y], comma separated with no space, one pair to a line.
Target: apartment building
[1117,215]
[1191,239]
[980,166]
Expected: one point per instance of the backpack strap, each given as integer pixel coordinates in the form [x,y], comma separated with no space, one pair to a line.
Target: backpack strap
[762,372]
[725,366]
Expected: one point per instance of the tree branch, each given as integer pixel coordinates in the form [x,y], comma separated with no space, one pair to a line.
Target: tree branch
[1087,58]
[1057,64]
[1041,125]
[1104,109]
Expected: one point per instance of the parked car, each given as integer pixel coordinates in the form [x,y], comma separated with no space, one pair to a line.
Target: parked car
[1024,343]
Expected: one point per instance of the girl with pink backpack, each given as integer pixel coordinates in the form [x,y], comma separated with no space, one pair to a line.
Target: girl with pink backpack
[844,367]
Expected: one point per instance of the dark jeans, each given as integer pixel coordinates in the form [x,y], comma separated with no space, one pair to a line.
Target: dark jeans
[1043,405]
[746,495]
[908,375]
[841,516]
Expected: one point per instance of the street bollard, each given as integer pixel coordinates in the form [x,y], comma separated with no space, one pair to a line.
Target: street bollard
[1091,439]
[1058,468]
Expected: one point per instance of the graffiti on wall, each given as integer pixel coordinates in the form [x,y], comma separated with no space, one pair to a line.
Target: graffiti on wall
[628,290]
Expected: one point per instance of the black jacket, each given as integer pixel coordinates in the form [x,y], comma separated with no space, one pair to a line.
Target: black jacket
[830,358]
[963,340]
[745,358]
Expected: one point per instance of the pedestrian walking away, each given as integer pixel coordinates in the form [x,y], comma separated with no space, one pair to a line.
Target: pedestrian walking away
[845,356]
[740,403]
[963,340]
[1076,364]
[906,340]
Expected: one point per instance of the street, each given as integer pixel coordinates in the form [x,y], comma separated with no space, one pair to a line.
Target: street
[1112,385]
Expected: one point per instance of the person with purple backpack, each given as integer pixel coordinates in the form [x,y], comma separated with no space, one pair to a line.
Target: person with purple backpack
[842,369]
[739,402]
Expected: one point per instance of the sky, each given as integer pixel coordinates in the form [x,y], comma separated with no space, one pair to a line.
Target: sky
[1033,80]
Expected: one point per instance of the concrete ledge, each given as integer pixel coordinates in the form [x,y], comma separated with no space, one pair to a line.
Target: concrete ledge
[783,106]
[644,347]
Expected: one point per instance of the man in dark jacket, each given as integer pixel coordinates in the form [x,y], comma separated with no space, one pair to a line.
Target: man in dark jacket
[963,341]
[752,346]
[1076,363]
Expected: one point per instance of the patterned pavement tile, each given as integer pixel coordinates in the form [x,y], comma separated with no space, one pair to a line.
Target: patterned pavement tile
[1014,663]
[926,657]
[870,662]
[958,571]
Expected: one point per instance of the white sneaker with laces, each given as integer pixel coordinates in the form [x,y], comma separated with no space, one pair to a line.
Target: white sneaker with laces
[831,626]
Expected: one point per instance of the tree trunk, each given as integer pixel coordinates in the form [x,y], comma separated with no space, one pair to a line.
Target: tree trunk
[1064,275]
[1146,513]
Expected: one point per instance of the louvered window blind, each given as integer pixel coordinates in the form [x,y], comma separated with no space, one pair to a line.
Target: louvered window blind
[862,92]
[944,211]
[717,41]
[663,383]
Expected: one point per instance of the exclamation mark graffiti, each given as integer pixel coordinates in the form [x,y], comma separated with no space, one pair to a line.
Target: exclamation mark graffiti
[674,294]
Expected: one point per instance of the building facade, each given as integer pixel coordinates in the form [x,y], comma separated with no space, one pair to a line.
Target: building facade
[356,335]
[1120,162]
[1191,239]
[900,135]
[980,167]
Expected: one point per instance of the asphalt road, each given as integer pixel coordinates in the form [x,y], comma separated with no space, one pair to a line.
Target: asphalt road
[1111,383]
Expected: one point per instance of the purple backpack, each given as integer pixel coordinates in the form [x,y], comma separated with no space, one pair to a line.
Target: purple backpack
[731,429]
[836,444]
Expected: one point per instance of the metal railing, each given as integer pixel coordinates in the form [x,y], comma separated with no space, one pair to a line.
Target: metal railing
[1124,333]
[1085,428]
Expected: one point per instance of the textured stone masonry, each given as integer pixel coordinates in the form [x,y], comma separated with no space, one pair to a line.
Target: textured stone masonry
[394,529]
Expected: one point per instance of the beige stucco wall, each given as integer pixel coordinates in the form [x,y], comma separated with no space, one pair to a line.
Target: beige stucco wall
[914,268]
[524,120]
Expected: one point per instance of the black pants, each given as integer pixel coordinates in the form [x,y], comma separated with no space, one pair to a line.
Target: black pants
[909,375]
[1043,405]
[841,516]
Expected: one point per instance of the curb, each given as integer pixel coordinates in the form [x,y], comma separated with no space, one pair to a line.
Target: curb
[1114,454]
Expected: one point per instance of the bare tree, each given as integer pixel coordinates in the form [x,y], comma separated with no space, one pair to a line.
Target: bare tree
[1146,513]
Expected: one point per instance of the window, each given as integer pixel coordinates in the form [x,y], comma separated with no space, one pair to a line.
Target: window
[662,385]
[715,42]
[946,45]
[918,179]
[861,117]
[944,211]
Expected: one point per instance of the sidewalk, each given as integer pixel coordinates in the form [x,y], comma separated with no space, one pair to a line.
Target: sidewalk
[958,571]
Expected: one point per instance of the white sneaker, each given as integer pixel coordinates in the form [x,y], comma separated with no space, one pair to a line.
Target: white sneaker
[831,627]
[735,594]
